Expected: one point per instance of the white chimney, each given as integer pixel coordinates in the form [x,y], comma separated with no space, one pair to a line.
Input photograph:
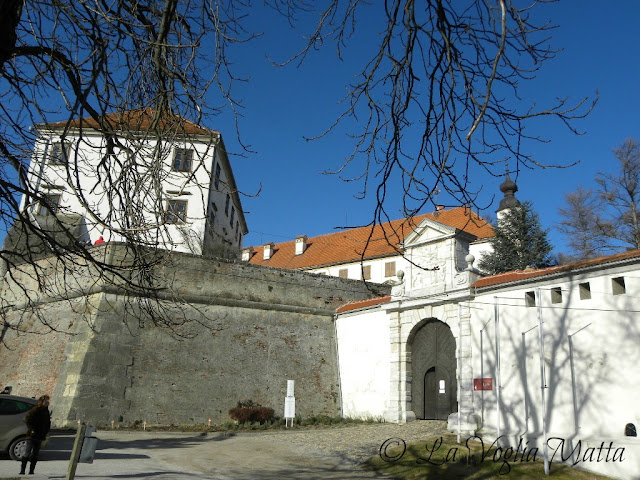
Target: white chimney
[301,244]
[268,251]
[246,254]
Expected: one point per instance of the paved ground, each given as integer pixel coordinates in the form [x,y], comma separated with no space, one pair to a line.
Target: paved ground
[331,454]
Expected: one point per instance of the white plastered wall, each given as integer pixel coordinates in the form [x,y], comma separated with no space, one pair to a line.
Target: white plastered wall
[591,357]
[363,352]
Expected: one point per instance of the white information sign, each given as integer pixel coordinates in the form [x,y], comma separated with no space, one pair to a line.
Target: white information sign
[290,385]
[289,407]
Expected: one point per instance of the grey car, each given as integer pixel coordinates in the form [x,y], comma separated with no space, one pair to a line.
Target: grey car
[13,430]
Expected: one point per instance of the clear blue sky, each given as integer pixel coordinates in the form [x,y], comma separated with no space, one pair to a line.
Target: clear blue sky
[283,105]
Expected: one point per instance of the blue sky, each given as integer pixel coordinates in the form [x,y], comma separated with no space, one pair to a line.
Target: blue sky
[284,105]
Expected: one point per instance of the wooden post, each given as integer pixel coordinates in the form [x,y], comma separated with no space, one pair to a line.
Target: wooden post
[75,453]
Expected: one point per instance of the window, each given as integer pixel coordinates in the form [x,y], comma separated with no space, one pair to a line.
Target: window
[237,225]
[530,299]
[182,159]
[617,286]
[50,201]
[343,273]
[226,205]
[556,295]
[366,272]
[59,154]
[176,211]
[13,407]
[390,269]
[212,217]
[233,212]
[585,291]
[216,182]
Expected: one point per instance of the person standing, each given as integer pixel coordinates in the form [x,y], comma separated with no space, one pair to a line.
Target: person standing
[38,421]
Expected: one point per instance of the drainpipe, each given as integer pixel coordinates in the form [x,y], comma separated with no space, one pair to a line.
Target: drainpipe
[459,369]
[542,383]
[496,317]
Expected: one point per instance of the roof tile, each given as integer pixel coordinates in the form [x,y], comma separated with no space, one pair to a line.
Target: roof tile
[353,244]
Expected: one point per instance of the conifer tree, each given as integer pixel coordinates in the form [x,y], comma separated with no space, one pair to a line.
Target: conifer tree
[519,242]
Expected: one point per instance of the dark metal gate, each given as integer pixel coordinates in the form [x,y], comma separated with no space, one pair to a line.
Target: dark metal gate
[433,369]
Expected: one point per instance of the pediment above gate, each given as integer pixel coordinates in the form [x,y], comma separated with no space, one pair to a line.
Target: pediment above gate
[428,231]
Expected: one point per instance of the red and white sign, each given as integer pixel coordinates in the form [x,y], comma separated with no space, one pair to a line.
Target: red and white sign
[483,383]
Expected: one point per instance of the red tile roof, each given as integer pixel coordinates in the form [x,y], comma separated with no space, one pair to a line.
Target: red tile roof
[518,275]
[371,302]
[349,245]
[138,120]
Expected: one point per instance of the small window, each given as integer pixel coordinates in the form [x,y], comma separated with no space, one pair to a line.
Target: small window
[49,206]
[556,295]
[585,291]
[226,205]
[176,211]
[617,286]
[216,182]
[530,299]
[59,154]
[233,213]
[390,269]
[366,272]
[212,217]
[343,273]
[182,159]
[237,226]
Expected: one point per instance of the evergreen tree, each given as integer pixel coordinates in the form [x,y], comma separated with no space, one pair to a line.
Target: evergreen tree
[519,242]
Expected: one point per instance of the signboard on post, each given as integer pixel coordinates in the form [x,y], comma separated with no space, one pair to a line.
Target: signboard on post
[289,403]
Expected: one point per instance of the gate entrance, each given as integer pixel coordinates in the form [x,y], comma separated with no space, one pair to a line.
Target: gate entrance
[433,369]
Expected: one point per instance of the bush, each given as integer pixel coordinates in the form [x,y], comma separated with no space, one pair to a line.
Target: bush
[250,412]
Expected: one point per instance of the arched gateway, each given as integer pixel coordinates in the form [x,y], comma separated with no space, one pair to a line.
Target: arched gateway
[433,371]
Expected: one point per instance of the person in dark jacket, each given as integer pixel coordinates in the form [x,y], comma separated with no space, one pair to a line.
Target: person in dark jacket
[38,422]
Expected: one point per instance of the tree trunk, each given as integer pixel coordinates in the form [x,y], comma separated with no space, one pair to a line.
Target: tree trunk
[10,12]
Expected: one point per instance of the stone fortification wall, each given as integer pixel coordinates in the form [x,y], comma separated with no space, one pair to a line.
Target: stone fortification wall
[236,332]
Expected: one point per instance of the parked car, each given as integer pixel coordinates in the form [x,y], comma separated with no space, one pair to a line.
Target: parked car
[13,430]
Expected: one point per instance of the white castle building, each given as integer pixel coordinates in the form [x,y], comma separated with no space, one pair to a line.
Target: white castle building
[165,181]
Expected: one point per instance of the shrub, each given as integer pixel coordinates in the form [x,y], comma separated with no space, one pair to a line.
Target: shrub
[248,411]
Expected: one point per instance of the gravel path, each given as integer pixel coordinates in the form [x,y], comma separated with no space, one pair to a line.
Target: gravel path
[360,442]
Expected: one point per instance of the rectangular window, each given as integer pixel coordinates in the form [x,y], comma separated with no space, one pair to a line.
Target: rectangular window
[233,212]
[59,154]
[556,295]
[343,273]
[617,286]
[50,205]
[585,291]
[182,159]
[216,182]
[366,272]
[390,269]
[226,205]
[176,211]
[530,299]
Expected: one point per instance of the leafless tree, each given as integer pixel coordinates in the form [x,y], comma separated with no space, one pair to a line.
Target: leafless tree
[586,231]
[448,71]
[437,104]
[620,192]
[69,60]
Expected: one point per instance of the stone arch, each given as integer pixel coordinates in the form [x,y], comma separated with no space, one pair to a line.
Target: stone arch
[433,383]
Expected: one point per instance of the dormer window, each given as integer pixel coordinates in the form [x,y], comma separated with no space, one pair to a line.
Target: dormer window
[301,244]
[59,154]
[247,253]
[182,159]
[268,251]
